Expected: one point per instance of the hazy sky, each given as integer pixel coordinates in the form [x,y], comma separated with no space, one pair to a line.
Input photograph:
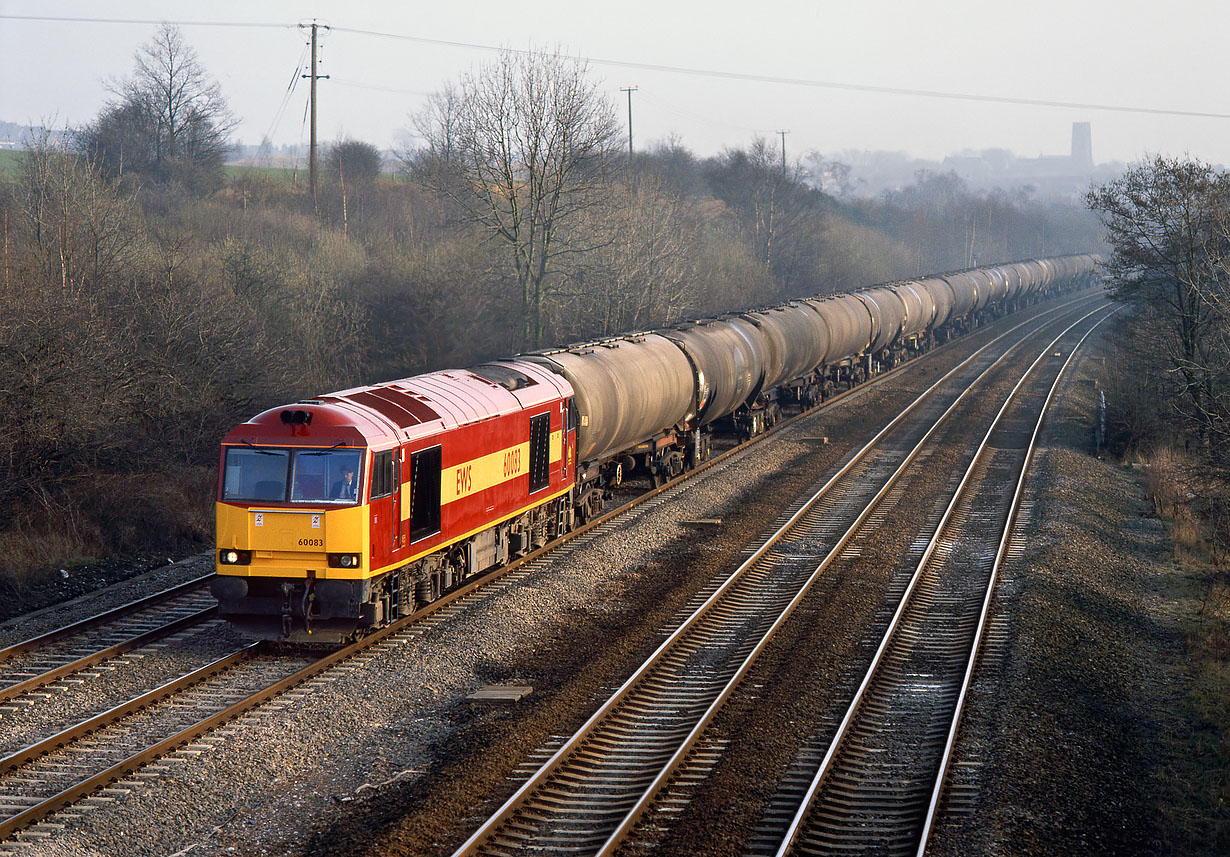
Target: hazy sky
[1128,53]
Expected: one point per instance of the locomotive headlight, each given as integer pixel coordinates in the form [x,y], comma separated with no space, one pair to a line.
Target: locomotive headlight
[344,560]
[230,557]
[234,557]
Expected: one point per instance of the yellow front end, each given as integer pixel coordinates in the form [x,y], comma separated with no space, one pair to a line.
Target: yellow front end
[293,543]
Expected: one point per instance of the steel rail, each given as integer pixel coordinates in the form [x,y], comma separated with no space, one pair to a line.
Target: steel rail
[557,760]
[677,759]
[12,691]
[984,614]
[661,780]
[843,729]
[137,703]
[74,793]
[106,616]
[114,772]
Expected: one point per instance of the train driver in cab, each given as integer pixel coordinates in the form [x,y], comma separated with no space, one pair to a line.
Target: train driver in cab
[345,488]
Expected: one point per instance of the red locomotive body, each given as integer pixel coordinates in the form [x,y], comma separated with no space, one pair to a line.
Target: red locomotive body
[453,472]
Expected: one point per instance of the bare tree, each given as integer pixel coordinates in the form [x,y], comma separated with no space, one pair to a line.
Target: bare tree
[169,122]
[1167,225]
[646,274]
[520,146]
[751,182]
[353,165]
[782,219]
[79,229]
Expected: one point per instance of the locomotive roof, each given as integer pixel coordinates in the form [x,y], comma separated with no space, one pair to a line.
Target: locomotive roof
[406,409]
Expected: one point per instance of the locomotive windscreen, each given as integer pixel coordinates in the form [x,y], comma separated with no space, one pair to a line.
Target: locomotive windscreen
[311,475]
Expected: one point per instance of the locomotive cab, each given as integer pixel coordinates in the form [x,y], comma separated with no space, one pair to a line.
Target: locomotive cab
[294,544]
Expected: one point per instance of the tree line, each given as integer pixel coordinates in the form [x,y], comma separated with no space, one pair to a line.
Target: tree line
[1168,227]
[152,298]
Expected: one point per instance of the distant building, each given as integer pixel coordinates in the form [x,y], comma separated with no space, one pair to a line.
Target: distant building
[1048,176]
[1082,146]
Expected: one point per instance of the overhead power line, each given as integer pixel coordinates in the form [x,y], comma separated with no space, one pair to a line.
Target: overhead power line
[85,20]
[799,81]
[695,72]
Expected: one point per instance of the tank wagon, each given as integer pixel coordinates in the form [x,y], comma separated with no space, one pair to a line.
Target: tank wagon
[340,514]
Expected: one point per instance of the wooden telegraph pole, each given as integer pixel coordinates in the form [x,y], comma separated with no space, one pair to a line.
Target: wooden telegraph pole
[314,77]
[629,90]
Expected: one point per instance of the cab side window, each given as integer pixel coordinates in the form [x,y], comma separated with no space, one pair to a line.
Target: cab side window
[424,493]
[382,474]
[540,452]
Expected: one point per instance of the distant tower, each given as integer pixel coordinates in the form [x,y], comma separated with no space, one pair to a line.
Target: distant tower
[1082,147]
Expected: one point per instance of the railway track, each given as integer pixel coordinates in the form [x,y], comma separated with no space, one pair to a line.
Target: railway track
[35,780]
[61,661]
[591,793]
[38,661]
[879,784]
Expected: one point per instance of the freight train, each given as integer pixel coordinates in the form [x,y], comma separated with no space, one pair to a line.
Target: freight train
[339,514]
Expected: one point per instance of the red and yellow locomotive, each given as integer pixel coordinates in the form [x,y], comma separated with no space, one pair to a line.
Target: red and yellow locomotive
[342,513]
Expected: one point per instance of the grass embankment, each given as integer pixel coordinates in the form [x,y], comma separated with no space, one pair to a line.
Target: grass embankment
[1198,511]
[9,159]
[277,175]
[102,529]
